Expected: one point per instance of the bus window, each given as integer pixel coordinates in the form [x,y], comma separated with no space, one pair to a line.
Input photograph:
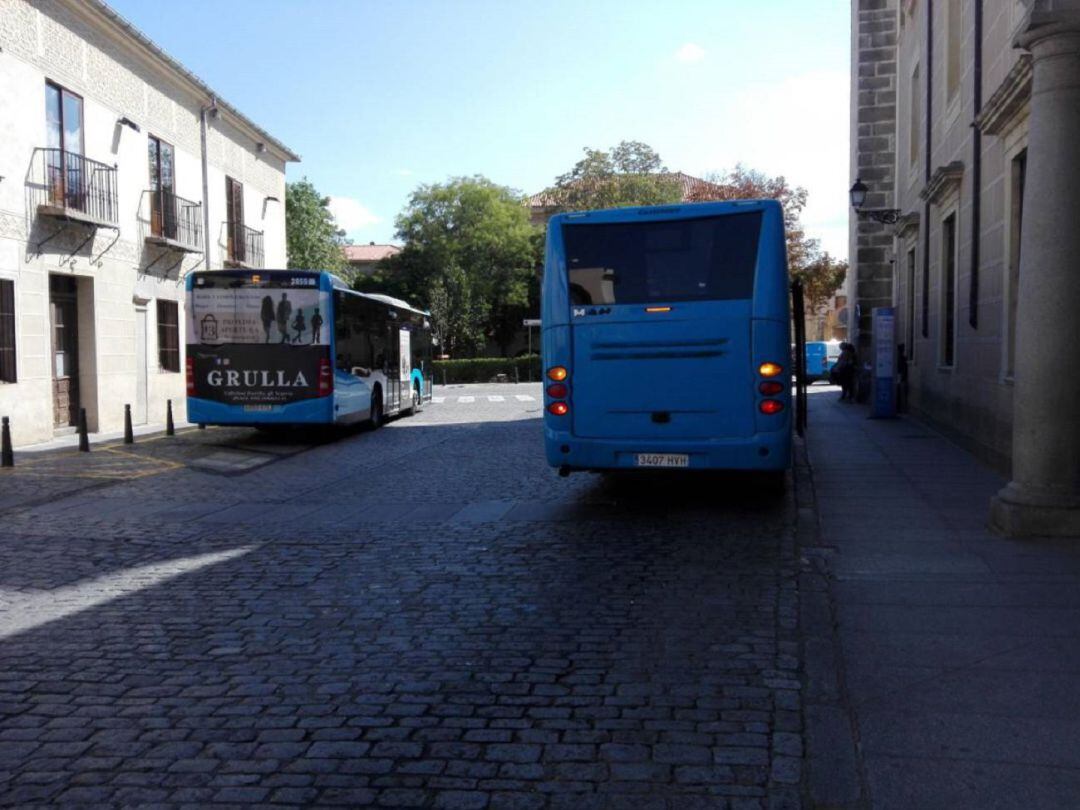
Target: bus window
[709,258]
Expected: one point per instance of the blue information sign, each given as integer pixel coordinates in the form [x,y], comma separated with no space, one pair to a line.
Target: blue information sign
[883,386]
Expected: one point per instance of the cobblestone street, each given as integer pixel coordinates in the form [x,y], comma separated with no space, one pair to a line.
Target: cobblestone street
[422,616]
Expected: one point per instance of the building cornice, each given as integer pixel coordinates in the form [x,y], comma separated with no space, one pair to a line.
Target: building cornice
[97,12]
[907,222]
[943,180]
[1009,102]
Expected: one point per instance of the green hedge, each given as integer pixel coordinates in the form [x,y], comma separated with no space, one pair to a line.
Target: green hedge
[485,369]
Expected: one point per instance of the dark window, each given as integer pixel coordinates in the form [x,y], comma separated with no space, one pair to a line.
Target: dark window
[948,291]
[911,304]
[162,204]
[234,215]
[676,260]
[7,331]
[1016,219]
[168,331]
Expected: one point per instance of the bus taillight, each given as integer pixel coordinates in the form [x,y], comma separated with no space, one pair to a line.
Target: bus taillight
[771,388]
[770,369]
[189,368]
[326,377]
[771,406]
[557,373]
[557,390]
[559,408]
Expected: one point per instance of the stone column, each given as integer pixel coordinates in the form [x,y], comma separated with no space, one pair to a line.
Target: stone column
[1043,497]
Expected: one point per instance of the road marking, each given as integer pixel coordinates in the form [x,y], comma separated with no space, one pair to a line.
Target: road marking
[466,399]
[437,400]
[524,398]
[496,398]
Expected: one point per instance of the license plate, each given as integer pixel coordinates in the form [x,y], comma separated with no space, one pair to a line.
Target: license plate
[661,460]
[258,408]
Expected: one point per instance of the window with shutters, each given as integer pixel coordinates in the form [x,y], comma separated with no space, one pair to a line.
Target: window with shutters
[168,330]
[234,216]
[7,331]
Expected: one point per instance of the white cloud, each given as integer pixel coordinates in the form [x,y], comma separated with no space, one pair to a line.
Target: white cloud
[690,52]
[351,215]
[403,172]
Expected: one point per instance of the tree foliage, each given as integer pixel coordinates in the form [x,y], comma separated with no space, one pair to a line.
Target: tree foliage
[470,256]
[630,173]
[313,239]
[821,274]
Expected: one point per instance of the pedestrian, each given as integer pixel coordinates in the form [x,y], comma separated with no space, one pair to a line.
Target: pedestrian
[843,373]
[299,325]
[284,310]
[316,326]
[267,315]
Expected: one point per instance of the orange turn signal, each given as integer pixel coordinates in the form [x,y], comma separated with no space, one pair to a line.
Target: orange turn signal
[559,408]
[770,369]
[557,373]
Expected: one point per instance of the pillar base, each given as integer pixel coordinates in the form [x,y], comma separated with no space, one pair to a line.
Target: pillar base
[1015,515]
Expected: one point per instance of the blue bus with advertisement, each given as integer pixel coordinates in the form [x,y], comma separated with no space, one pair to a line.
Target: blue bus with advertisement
[298,347]
[667,339]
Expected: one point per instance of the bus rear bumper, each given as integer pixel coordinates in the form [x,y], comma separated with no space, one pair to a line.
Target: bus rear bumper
[306,412]
[763,451]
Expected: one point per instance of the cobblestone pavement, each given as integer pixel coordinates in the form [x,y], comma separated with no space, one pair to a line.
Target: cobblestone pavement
[422,616]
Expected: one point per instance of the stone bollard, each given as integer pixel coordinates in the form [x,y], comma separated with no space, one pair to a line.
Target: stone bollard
[170,428]
[7,457]
[129,435]
[84,439]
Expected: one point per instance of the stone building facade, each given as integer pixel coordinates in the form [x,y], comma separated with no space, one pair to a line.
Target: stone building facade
[122,172]
[982,260]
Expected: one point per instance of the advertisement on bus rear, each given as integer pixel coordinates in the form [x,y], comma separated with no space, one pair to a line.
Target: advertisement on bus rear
[258,345]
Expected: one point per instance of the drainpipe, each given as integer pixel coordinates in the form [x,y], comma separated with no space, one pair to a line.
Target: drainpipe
[976,173]
[209,108]
[925,319]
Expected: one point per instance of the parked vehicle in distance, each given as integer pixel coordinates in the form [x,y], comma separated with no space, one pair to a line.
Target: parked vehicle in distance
[821,356]
[666,339]
[299,347]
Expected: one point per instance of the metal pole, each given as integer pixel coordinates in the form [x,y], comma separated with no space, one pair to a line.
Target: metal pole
[170,429]
[129,436]
[84,440]
[205,180]
[7,457]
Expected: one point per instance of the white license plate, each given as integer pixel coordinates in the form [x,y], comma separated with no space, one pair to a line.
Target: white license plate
[258,408]
[661,460]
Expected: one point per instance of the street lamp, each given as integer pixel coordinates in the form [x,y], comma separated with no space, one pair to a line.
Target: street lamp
[886,216]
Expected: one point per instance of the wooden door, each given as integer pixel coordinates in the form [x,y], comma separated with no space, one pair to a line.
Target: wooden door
[65,350]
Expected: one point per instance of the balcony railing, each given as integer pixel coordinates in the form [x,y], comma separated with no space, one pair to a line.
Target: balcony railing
[245,245]
[79,188]
[175,221]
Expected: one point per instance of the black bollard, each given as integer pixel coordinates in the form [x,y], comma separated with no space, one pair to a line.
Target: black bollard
[444,378]
[84,439]
[517,373]
[7,457]
[170,428]
[129,435]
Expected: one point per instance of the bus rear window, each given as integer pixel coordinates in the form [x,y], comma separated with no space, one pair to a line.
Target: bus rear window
[709,258]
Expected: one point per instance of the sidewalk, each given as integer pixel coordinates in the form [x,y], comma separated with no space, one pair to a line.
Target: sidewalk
[941,659]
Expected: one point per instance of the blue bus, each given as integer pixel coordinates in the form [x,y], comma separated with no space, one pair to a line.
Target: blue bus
[667,339]
[298,347]
[821,356]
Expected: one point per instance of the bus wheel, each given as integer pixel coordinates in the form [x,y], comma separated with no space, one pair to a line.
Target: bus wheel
[376,419]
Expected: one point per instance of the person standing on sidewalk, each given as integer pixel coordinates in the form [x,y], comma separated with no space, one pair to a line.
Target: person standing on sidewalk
[843,373]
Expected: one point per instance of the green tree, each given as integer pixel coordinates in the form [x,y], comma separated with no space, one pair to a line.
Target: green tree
[470,251]
[313,239]
[631,173]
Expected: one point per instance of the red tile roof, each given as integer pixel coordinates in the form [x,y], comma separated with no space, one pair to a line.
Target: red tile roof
[370,252]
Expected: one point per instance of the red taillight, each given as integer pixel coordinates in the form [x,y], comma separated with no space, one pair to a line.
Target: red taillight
[771,406]
[559,408]
[557,390]
[189,368]
[557,373]
[326,377]
[771,388]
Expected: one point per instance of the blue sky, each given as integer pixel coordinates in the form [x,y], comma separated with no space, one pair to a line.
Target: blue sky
[378,97]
